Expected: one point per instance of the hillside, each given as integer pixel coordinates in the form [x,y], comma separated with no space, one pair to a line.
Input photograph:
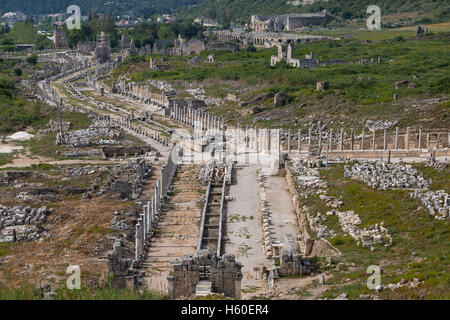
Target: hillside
[357,92]
[138,7]
[240,11]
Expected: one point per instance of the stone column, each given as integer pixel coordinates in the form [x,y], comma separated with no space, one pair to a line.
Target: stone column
[142,234]
[448,139]
[373,140]
[385,139]
[407,139]
[289,141]
[353,139]
[362,139]
[138,247]
[309,137]
[239,132]
[428,141]
[155,208]
[420,139]
[144,227]
[246,136]
[320,142]
[330,139]
[341,142]
[299,144]
[149,218]
[396,139]
[158,194]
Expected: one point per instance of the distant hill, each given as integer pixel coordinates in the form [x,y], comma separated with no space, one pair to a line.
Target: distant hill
[240,10]
[132,7]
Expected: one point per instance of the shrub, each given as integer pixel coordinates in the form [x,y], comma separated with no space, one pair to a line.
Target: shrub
[18,72]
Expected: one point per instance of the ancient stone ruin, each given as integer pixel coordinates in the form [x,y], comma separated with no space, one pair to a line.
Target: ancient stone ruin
[60,39]
[220,275]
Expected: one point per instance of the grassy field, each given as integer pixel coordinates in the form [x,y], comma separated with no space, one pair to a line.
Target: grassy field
[22,32]
[357,92]
[28,292]
[375,35]
[437,27]
[420,243]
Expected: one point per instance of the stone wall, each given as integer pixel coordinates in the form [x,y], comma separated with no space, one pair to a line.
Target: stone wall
[311,246]
[60,39]
[223,272]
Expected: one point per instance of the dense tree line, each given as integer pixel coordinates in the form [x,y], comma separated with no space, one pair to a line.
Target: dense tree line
[148,32]
[115,7]
[90,29]
[225,11]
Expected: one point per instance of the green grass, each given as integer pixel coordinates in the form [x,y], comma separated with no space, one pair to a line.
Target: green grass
[412,229]
[4,249]
[357,92]
[28,292]
[6,158]
[375,35]
[440,178]
[45,145]
[22,32]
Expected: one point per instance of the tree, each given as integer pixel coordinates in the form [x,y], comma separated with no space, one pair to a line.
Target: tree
[18,72]
[165,32]
[33,59]
[347,15]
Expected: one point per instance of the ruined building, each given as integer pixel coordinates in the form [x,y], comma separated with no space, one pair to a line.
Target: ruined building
[288,22]
[103,48]
[127,47]
[286,53]
[60,39]
[179,47]
[205,270]
[86,47]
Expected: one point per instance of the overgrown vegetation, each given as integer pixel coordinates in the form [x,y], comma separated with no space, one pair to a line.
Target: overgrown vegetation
[356,91]
[27,291]
[420,243]
[226,11]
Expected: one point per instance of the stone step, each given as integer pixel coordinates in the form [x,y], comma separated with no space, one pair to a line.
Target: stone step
[203,288]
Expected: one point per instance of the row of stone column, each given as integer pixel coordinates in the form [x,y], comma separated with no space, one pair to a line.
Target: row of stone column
[251,138]
[258,139]
[364,140]
[127,123]
[132,90]
[149,218]
[146,225]
[196,118]
[168,172]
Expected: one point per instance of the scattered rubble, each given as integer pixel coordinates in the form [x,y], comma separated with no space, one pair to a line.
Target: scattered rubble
[22,223]
[55,126]
[376,234]
[100,133]
[309,181]
[405,283]
[436,202]
[384,176]
[200,94]
[380,124]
